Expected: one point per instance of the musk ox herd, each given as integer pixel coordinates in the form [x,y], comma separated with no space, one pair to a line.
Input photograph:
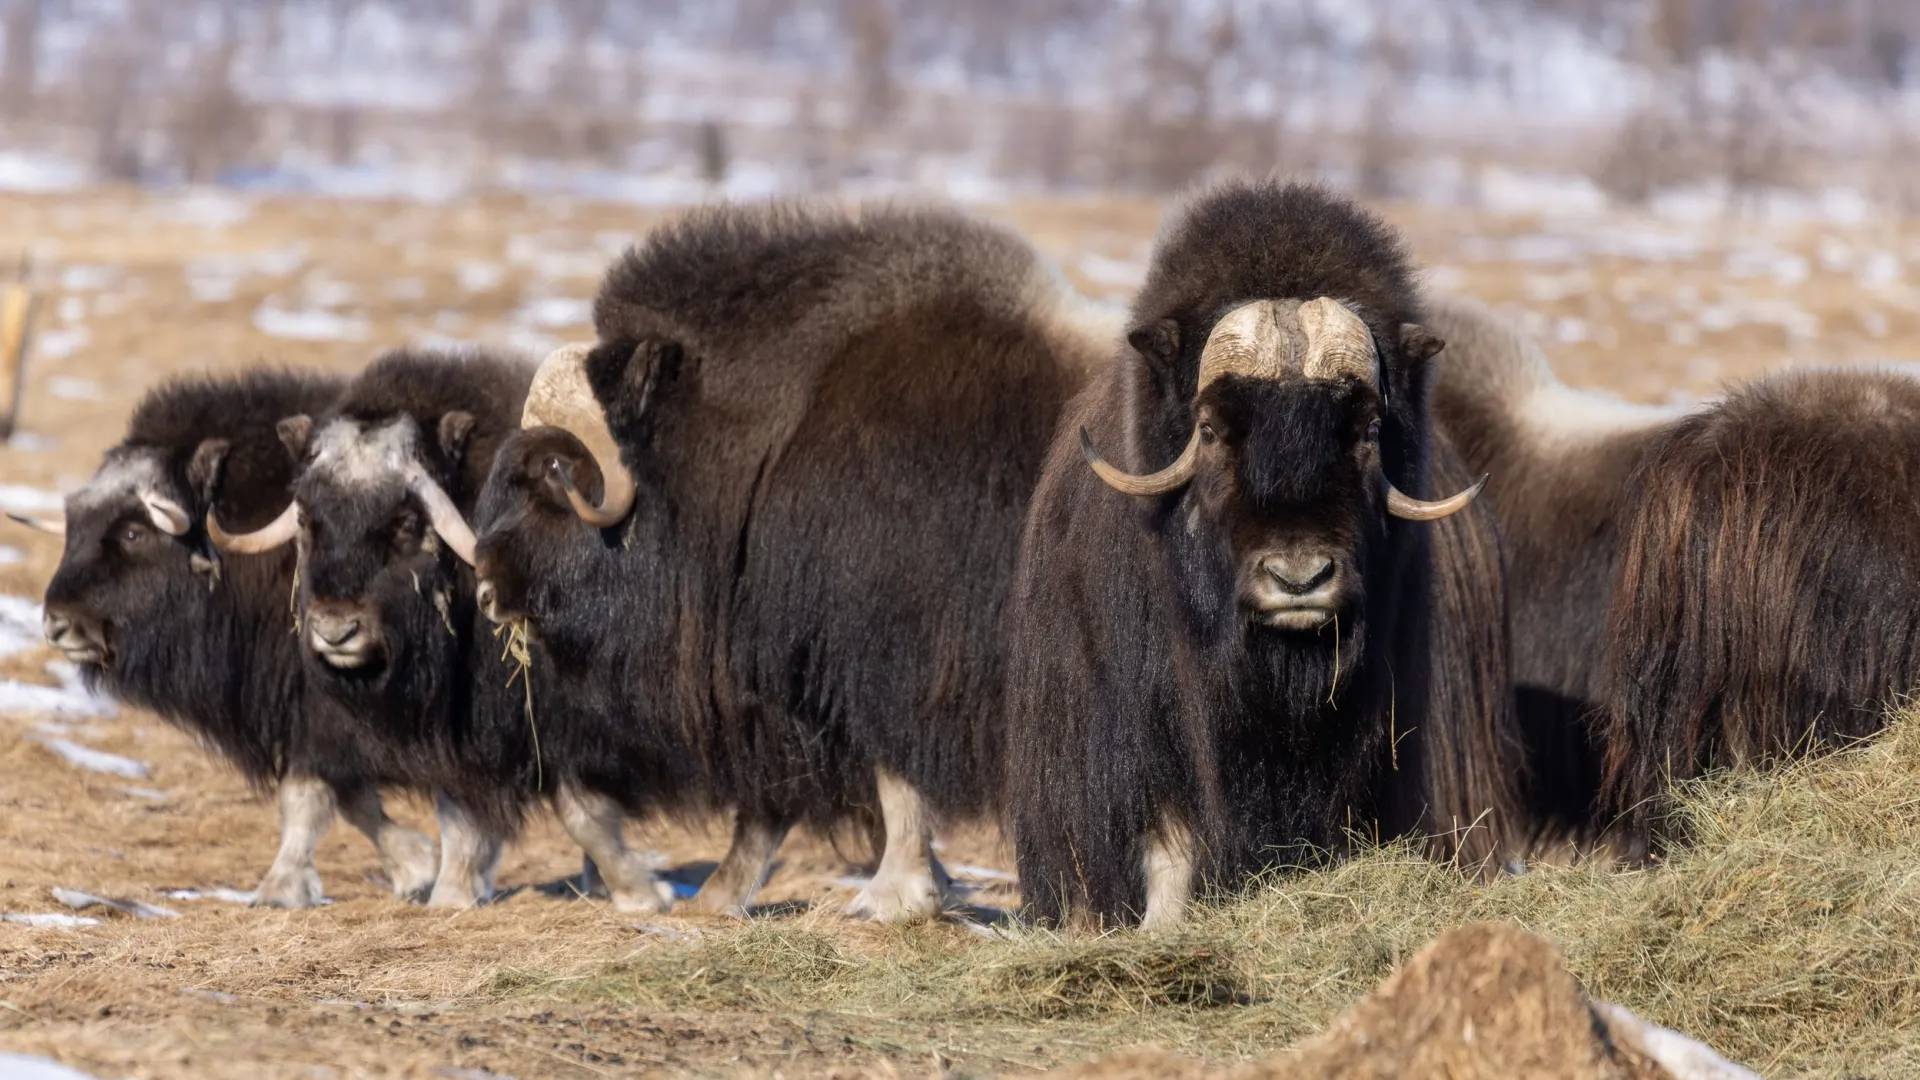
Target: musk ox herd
[864,520]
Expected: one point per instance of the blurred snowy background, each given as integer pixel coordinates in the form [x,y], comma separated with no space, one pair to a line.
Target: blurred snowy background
[1749,107]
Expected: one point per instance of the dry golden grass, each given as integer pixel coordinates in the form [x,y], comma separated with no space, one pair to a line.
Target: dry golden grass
[1786,937]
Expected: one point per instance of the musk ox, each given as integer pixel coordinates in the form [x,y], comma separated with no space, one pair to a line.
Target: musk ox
[1767,589]
[1560,459]
[153,615]
[1250,642]
[387,620]
[767,521]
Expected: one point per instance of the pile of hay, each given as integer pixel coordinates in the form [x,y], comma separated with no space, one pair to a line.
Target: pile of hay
[1786,936]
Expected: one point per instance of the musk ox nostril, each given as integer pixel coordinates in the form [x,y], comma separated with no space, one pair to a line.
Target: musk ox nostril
[335,630]
[55,627]
[484,596]
[1299,575]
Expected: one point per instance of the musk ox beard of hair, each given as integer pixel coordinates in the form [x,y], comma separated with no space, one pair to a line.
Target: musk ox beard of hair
[833,422]
[1136,693]
[1766,592]
[1561,459]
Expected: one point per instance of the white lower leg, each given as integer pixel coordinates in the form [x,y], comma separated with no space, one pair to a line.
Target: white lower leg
[405,854]
[594,822]
[744,869]
[904,887]
[306,811]
[468,855]
[1169,866]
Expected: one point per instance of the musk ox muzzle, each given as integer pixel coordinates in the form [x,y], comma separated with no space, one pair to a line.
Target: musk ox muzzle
[1320,339]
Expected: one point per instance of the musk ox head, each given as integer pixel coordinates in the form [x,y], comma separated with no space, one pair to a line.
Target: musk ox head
[132,558]
[376,531]
[558,486]
[1281,482]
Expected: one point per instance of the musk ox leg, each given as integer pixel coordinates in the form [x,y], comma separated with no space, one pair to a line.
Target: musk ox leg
[306,811]
[405,854]
[468,854]
[594,821]
[755,840]
[910,883]
[1169,866]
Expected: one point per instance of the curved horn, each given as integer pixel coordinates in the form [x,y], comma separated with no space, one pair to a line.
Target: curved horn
[274,534]
[1402,505]
[46,525]
[444,515]
[166,515]
[1159,483]
[1338,342]
[561,397]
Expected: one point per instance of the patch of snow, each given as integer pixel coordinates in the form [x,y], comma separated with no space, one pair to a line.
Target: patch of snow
[82,277]
[1879,270]
[307,325]
[145,792]
[211,995]
[1507,191]
[86,757]
[70,698]
[80,901]
[72,309]
[1117,273]
[34,1067]
[72,389]
[55,918]
[231,896]
[60,344]
[208,208]
[11,556]
[19,623]
[555,312]
[21,172]
[31,440]
[20,499]
[476,276]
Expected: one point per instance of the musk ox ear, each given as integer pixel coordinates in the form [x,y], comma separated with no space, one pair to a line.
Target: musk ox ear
[455,429]
[1418,343]
[203,472]
[294,433]
[1158,342]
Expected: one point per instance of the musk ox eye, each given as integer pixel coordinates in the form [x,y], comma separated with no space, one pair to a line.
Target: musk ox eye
[131,534]
[1373,431]
[1207,434]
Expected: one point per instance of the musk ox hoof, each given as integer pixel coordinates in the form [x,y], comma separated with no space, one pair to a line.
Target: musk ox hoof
[449,894]
[654,897]
[412,866]
[725,903]
[289,889]
[903,900]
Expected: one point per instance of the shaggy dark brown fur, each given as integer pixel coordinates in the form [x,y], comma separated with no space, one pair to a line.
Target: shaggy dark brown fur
[1559,459]
[1768,597]
[835,422]
[1138,691]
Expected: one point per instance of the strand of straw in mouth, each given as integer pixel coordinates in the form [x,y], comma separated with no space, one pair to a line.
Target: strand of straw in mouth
[516,650]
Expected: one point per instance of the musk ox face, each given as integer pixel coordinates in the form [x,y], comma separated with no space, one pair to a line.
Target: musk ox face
[128,561]
[372,526]
[1282,489]
[1283,495]
[528,526]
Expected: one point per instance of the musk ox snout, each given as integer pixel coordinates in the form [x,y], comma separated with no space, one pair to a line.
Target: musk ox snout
[80,638]
[342,634]
[1298,587]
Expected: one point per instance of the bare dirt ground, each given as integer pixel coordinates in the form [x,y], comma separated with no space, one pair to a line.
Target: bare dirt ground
[138,286]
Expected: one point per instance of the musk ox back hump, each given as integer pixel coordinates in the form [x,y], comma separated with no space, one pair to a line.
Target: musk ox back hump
[1768,594]
[804,279]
